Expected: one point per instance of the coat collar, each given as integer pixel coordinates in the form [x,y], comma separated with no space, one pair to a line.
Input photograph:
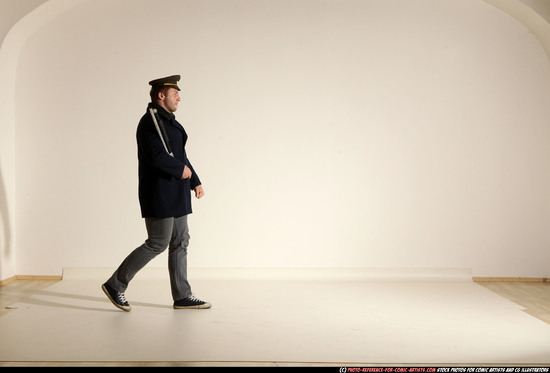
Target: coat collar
[162,111]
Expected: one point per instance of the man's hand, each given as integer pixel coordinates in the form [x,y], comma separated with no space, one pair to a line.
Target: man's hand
[186,173]
[199,192]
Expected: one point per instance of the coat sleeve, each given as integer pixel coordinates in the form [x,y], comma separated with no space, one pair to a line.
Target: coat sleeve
[153,152]
[195,180]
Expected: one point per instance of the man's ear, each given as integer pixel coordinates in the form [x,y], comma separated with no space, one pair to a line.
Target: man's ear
[161,95]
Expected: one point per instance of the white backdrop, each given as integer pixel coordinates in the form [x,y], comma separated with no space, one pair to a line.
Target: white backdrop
[327,133]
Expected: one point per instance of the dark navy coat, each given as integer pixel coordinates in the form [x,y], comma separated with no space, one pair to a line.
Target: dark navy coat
[162,193]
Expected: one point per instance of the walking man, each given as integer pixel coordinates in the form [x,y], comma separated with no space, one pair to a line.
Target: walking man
[166,179]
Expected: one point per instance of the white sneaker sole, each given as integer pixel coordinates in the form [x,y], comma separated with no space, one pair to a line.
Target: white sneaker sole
[124,308]
[200,306]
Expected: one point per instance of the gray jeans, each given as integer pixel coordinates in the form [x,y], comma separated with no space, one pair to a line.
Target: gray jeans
[162,233]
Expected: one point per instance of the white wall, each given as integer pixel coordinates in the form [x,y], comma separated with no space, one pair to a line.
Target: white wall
[368,133]
[15,26]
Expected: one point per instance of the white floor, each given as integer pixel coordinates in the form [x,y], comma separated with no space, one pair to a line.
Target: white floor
[287,317]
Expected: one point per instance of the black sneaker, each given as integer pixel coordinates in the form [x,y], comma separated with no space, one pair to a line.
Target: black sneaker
[191,302]
[118,299]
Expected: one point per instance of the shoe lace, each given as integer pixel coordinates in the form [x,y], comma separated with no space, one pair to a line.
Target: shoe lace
[122,297]
[193,298]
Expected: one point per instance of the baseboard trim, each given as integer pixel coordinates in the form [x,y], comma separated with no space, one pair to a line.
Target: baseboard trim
[511,279]
[475,279]
[34,277]
[7,280]
[29,277]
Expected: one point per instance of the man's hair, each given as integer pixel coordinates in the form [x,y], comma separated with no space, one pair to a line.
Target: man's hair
[155,90]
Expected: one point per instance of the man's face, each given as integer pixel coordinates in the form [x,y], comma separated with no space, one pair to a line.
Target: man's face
[170,100]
